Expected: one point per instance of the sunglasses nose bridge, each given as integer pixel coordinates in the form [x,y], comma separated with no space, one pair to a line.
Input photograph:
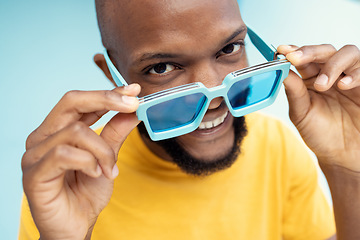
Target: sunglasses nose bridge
[215,92]
[216,95]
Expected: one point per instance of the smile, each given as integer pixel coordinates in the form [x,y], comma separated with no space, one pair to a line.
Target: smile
[213,123]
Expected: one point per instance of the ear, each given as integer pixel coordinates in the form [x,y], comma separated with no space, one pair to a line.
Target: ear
[100,61]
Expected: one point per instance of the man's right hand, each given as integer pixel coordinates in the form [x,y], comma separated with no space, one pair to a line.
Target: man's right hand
[68,170]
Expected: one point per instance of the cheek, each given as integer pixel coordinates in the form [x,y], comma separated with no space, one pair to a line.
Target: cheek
[241,63]
[244,61]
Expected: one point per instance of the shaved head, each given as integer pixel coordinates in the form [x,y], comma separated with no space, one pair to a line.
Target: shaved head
[127,10]
[123,22]
[105,11]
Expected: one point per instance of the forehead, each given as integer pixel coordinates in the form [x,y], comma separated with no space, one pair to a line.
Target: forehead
[139,27]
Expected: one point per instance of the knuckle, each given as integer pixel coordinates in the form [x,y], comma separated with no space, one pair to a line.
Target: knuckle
[65,156]
[24,160]
[71,95]
[78,128]
[332,66]
[305,48]
[329,46]
[108,152]
[29,140]
[313,50]
[356,50]
[61,151]
[308,50]
[351,47]
[355,53]
[111,95]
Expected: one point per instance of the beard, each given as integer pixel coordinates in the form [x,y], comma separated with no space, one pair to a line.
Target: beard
[201,167]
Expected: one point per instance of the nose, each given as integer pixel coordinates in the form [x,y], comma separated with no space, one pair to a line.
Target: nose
[216,102]
[208,74]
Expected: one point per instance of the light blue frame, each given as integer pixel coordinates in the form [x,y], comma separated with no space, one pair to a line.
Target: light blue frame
[211,93]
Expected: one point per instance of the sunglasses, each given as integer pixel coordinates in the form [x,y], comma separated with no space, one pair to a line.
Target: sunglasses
[180,110]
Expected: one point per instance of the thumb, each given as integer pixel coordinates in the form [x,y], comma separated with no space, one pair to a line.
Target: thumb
[117,129]
[298,97]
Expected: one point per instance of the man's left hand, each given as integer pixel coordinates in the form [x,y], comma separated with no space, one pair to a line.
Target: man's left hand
[324,103]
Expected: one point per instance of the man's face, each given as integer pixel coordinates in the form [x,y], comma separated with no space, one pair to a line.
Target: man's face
[162,44]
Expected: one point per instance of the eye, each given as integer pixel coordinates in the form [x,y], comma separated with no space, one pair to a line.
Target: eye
[161,68]
[231,48]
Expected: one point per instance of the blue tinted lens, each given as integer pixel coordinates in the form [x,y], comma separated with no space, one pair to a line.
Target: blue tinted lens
[176,112]
[252,90]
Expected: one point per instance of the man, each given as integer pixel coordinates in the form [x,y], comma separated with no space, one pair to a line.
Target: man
[267,191]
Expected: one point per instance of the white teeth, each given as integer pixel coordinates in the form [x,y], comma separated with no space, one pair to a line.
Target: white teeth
[208,124]
[213,123]
[216,122]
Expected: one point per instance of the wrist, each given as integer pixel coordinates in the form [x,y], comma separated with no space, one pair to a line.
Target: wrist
[343,182]
[87,237]
[91,228]
[336,172]
[344,185]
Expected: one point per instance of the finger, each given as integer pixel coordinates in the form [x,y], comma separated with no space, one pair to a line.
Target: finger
[344,61]
[130,90]
[351,80]
[298,97]
[91,118]
[286,49]
[56,162]
[309,59]
[117,129]
[80,136]
[311,54]
[75,104]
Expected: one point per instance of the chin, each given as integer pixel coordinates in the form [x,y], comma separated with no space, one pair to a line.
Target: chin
[209,149]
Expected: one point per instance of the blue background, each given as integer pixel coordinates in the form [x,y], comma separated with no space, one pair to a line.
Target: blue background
[46,49]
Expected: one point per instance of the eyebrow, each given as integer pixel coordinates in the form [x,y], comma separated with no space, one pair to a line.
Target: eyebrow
[237,32]
[151,56]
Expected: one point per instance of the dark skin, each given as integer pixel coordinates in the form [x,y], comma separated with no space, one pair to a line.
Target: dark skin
[66,163]
[189,61]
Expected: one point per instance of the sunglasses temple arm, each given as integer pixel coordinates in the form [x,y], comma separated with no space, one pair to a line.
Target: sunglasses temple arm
[268,52]
[119,80]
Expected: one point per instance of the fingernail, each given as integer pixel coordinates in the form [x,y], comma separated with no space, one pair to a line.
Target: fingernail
[128,87]
[115,171]
[98,170]
[131,86]
[322,80]
[347,80]
[129,100]
[289,47]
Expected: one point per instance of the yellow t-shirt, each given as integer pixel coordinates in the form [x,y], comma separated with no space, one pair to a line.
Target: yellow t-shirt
[271,192]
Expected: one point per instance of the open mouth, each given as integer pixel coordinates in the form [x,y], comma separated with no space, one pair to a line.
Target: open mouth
[213,123]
